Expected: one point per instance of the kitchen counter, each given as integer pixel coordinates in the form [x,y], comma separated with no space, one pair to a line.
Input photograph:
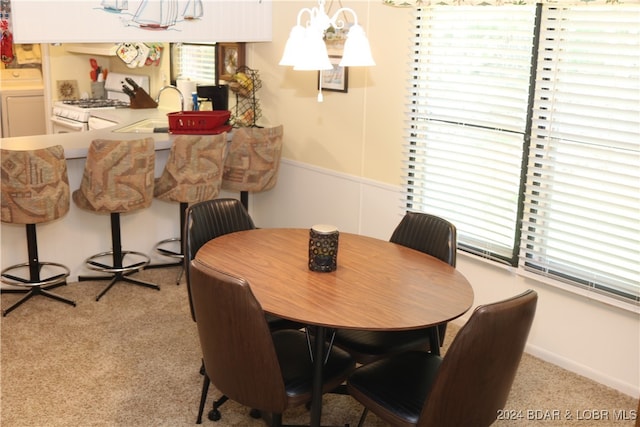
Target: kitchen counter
[76,144]
[59,240]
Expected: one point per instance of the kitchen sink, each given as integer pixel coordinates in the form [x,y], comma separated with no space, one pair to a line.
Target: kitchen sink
[146,126]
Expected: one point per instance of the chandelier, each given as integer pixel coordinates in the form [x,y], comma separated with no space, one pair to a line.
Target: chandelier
[307,50]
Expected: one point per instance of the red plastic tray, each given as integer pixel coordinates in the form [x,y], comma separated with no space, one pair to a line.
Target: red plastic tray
[219,129]
[199,122]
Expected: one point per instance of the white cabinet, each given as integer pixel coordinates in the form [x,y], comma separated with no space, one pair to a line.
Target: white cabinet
[23,114]
[100,49]
[22,102]
[89,21]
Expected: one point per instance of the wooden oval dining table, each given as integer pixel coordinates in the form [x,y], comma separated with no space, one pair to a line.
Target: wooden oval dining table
[378,285]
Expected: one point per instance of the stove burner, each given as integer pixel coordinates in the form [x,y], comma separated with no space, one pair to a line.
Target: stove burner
[96,103]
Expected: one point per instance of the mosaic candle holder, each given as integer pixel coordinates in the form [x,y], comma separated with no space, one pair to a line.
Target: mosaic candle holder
[323,248]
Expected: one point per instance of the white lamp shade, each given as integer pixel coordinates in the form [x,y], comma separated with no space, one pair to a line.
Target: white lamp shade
[314,54]
[294,47]
[357,52]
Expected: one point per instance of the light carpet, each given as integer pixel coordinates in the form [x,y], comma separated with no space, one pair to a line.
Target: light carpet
[133,358]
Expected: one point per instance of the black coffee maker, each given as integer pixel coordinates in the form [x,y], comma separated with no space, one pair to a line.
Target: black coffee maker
[218,96]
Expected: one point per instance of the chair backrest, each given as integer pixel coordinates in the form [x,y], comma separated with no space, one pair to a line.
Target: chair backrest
[193,171]
[213,218]
[432,235]
[35,185]
[478,370]
[253,160]
[427,233]
[237,347]
[118,176]
[208,220]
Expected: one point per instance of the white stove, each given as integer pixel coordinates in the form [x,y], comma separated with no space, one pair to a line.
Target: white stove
[79,110]
[76,115]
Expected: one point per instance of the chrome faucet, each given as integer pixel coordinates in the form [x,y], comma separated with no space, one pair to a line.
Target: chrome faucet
[174,88]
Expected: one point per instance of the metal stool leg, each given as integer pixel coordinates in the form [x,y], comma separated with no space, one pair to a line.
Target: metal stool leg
[169,253]
[118,271]
[35,283]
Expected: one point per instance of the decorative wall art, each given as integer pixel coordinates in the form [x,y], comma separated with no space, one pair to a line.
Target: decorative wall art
[67,89]
[336,80]
[141,21]
[230,57]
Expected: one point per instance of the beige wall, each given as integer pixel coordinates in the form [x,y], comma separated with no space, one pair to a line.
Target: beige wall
[75,66]
[360,132]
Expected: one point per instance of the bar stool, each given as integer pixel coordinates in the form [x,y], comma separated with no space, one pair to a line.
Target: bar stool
[193,173]
[253,161]
[35,190]
[117,179]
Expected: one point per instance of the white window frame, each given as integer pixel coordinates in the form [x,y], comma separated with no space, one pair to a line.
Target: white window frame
[431,123]
[194,61]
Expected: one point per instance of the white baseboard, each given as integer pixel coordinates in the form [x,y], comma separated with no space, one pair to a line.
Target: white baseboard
[585,371]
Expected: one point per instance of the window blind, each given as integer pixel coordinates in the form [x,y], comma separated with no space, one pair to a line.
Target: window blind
[582,204]
[467,119]
[196,62]
[523,129]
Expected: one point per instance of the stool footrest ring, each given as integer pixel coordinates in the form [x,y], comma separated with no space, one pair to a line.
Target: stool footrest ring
[166,251]
[54,279]
[33,287]
[93,264]
[118,272]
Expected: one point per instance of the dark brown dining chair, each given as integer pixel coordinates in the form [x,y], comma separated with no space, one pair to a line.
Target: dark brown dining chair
[466,387]
[205,221]
[214,218]
[426,233]
[265,370]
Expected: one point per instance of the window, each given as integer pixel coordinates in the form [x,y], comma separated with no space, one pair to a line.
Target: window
[196,62]
[524,131]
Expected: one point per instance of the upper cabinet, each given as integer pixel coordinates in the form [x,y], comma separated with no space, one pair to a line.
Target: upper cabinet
[101,49]
[99,21]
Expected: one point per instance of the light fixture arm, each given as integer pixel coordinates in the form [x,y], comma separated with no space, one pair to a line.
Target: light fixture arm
[319,18]
[339,24]
[306,47]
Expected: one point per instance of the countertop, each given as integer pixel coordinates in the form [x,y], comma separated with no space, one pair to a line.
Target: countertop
[76,144]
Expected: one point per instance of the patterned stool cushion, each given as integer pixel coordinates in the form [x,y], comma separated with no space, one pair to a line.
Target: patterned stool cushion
[35,185]
[253,160]
[118,176]
[193,172]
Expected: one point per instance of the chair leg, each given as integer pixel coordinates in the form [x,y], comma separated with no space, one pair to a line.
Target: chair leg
[169,253]
[214,414]
[37,290]
[434,340]
[36,284]
[276,420]
[363,417]
[118,272]
[203,397]
[270,419]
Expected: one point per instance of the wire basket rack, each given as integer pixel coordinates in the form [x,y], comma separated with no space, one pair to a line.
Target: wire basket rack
[245,83]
